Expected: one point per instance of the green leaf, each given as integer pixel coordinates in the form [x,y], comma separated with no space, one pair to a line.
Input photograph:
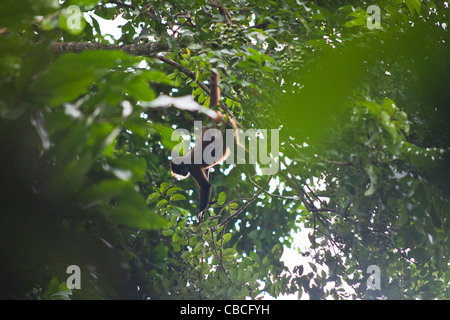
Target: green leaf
[317,16]
[233,272]
[221,198]
[166,135]
[226,237]
[193,241]
[164,186]
[373,181]
[161,202]
[402,121]
[254,256]
[198,247]
[52,287]
[223,277]
[173,190]
[313,266]
[138,87]
[185,255]
[389,106]
[229,252]
[153,197]
[131,208]
[106,13]
[137,217]
[127,167]
[356,23]
[177,197]
[413,6]
[320,43]
[71,74]
[241,275]
[168,232]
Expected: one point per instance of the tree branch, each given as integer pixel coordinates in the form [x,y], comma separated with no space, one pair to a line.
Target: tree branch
[219,256]
[145,49]
[186,71]
[271,194]
[223,11]
[200,274]
[121,4]
[238,211]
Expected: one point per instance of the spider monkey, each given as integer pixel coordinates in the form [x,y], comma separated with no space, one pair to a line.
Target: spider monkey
[207,145]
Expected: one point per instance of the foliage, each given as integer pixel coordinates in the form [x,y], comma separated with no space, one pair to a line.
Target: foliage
[364,150]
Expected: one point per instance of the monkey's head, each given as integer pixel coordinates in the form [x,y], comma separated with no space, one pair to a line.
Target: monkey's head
[179,171]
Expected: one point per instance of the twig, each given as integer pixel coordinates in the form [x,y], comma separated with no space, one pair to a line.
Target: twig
[271,194]
[262,25]
[239,211]
[358,163]
[200,276]
[223,11]
[132,7]
[186,71]
[193,76]
[121,4]
[219,257]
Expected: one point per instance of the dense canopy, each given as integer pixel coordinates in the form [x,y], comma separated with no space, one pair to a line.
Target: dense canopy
[357,92]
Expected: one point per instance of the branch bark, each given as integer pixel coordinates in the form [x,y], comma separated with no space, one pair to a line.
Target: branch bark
[148,49]
[145,49]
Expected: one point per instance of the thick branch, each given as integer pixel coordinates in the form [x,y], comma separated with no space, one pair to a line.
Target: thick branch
[145,49]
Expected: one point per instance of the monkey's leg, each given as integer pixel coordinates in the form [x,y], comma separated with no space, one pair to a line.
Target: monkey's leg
[201,177]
